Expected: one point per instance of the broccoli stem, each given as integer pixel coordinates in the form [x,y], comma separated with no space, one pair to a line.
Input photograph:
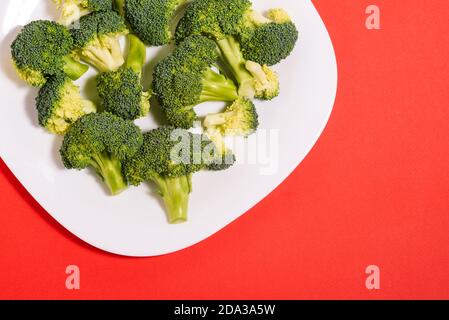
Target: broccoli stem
[215,119]
[119,5]
[136,54]
[74,69]
[216,87]
[105,55]
[231,56]
[71,12]
[110,170]
[175,193]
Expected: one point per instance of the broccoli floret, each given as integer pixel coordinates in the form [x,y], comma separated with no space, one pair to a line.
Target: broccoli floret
[42,49]
[102,141]
[151,19]
[254,80]
[268,40]
[73,10]
[96,40]
[121,91]
[169,157]
[221,157]
[59,104]
[239,119]
[215,19]
[186,79]
[221,21]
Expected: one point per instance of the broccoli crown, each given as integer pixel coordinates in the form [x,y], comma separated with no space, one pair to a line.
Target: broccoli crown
[215,19]
[266,81]
[185,79]
[151,19]
[122,93]
[59,104]
[169,157]
[73,10]
[166,152]
[96,40]
[271,41]
[96,26]
[40,50]
[239,119]
[96,134]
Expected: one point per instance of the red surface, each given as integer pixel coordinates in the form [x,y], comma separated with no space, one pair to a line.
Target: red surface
[374,190]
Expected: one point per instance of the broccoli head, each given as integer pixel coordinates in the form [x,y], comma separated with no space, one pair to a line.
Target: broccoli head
[151,19]
[185,79]
[96,40]
[239,119]
[73,10]
[101,141]
[59,104]
[42,49]
[215,19]
[169,157]
[121,91]
[221,21]
[268,40]
[254,80]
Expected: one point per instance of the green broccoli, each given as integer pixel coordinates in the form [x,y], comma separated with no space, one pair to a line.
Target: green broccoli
[268,40]
[169,157]
[221,21]
[73,10]
[121,91]
[59,104]
[221,157]
[102,141]
[151,19]
[42,49]
[97,40]
[239,119]
[185,79]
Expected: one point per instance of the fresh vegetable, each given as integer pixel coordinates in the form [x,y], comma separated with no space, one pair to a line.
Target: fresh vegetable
[42,49]
[102,141]
[96,40]
[169,157]
[186,79]
[73,10]
[121,91]
[59,104]
[152,20]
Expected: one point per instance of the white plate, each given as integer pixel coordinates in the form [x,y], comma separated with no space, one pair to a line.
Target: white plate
[134,224]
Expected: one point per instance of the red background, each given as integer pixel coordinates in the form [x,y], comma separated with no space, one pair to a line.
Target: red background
[374,190]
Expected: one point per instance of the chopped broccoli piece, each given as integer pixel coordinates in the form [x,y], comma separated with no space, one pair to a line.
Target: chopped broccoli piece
[121,91]
[42,49]
[239,119]
[215,19]
[59,104]
[169,157]
[151,19]
[102,141]
[96,40]
[221,21]
[73,10]
[221,156]
[254,80]
[268,40]
[185,79]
